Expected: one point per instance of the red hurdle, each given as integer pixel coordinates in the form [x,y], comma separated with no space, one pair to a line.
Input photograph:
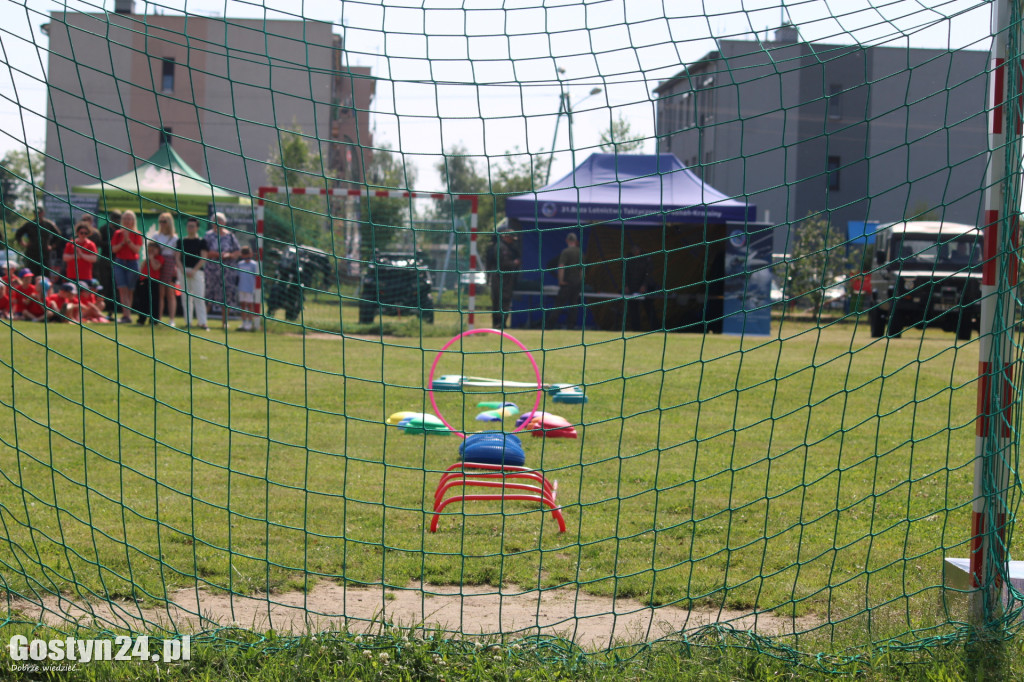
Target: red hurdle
[470,474]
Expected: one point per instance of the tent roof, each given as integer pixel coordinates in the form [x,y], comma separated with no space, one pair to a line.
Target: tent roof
[163,182]
[645,189]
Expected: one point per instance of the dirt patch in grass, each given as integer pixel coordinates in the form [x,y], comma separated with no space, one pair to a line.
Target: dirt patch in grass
[592,622]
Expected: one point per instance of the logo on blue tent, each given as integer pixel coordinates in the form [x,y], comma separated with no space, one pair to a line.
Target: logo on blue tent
[548,209]
[738,238]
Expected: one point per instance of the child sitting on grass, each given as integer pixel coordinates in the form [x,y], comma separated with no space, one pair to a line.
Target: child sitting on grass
[29,301]
[5,301]
[90,306]
[65,302]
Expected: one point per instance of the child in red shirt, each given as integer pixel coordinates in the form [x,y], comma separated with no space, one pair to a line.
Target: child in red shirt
[66,301]
[80,254]
[6,304]
[26,301]
[13,280]
[55,302]
[90,306]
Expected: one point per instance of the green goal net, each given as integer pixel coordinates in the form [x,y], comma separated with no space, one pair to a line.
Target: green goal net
[751,275]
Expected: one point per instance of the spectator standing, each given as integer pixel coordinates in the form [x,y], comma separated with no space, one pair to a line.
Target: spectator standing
[56,249]
[94,236]
[33,236]
[80,254]
[167,238]
[503,258]
[223,251]
[146,298]
[103,270]
[125,246]
[194,254]
[248,273]
[638,290]
[570,283]
[86,219]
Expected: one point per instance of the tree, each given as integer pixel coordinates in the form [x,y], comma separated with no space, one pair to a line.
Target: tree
[386,222]
[819,255]
[619,138]
[460,175]
[459,172]
[514,172]
[921,210]
[301,220]
[21,171]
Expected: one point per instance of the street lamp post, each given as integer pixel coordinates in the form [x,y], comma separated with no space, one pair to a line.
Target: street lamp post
[565,107]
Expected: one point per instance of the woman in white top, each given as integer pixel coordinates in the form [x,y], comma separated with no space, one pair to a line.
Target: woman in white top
[167,237]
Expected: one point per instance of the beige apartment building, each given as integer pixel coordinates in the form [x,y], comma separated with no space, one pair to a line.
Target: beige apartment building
[218,89]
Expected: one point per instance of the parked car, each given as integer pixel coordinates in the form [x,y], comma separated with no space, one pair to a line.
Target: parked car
[396,283]
[929,274]
[835,297]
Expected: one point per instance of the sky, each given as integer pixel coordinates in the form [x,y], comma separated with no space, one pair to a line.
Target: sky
[486,75]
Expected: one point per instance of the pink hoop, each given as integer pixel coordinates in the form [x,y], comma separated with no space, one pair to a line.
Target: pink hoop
[437,359]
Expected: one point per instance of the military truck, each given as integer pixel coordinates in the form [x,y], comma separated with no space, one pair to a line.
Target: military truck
[927,274]
[297,269]
[396,283]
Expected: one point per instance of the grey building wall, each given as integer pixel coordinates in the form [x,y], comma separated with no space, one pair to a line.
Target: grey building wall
[862,134]
[928,139]
[236,82]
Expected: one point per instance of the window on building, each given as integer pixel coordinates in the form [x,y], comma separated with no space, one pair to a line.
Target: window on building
[167,75]
[833,172]
[705,104]
[835,101]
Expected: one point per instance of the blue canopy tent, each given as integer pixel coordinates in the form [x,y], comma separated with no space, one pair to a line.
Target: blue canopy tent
[708,259]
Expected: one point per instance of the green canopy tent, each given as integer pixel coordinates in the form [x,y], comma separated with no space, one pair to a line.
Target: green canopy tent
[163,182]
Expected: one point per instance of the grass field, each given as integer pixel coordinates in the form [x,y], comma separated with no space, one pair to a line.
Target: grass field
[819,472]
[392,654]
